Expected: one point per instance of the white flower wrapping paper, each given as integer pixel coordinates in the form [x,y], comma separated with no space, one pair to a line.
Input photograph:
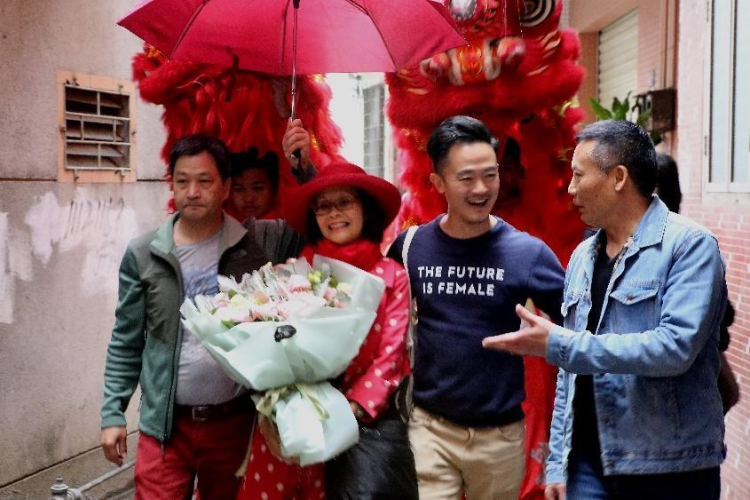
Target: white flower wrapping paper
[319,346]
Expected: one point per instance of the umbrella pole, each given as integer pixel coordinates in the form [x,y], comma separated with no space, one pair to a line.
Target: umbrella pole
[294,58]
[297,155]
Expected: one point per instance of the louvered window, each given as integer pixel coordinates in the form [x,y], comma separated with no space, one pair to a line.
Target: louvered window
[97,130]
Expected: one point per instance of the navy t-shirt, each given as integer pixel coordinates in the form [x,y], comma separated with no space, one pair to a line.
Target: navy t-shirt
[466,290]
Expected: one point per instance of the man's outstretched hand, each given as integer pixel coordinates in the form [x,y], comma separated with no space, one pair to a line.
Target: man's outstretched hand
[530,340]
[555,491]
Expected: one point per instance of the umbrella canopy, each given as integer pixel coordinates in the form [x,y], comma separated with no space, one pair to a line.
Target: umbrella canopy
[334,36]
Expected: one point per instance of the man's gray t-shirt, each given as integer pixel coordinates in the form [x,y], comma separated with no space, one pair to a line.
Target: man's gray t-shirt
[200,379]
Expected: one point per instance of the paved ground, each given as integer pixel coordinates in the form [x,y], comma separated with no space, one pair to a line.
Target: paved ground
[76,472]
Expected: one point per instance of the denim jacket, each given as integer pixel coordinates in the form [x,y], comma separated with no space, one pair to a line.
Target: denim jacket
[655,357]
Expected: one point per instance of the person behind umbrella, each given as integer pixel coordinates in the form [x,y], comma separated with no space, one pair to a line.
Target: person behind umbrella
[343,212]
[255,185]
[255,178]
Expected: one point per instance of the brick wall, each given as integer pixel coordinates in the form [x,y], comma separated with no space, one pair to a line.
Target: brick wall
[651,47]
[727,215]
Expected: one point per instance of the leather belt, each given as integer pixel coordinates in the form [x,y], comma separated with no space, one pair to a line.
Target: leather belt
[207,413]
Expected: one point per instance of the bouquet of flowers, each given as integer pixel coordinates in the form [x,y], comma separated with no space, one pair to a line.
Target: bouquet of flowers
[284,330]
[278,293]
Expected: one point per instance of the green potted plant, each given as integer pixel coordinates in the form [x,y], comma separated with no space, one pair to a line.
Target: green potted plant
[621,110]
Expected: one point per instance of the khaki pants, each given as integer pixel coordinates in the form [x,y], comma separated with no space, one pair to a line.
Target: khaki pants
[485,463]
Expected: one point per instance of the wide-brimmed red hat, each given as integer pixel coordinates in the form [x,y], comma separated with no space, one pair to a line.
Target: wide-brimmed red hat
[340,174]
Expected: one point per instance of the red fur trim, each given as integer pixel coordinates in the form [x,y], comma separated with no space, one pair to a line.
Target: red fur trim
[194,97]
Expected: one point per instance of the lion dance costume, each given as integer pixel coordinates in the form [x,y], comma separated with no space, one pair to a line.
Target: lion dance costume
[518,75]
[241,108]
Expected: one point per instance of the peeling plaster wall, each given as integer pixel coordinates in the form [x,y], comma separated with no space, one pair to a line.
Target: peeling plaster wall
[61,244]
[60,248]
[99,227]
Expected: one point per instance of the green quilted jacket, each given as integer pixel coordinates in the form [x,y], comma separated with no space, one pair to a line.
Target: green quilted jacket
[146,337]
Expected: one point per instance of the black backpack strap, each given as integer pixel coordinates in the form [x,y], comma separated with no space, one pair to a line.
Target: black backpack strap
[403,400]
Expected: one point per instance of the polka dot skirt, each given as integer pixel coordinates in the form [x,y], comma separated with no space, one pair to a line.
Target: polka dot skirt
[268,478]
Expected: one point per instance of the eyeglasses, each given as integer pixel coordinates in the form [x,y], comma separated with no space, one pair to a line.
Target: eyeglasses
[342,204]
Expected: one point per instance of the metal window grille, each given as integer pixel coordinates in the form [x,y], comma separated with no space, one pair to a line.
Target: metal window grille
[97,130]
[374,158]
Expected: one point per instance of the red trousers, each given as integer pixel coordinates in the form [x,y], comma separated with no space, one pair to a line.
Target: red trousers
[212,450]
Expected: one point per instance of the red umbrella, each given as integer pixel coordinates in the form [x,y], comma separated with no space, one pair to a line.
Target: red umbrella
[336,36]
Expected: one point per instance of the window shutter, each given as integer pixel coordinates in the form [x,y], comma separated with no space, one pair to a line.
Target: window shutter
[97,130]
[618,59]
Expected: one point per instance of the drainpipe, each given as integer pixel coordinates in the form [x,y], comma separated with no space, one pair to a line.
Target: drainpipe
[61,491]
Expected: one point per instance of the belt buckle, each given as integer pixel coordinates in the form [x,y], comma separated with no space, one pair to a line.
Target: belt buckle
[199,413]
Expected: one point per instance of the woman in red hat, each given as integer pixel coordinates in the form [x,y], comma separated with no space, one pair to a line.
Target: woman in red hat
[343,213]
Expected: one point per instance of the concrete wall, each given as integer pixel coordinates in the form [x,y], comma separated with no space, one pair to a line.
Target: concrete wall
[590,16]
[590,60]
[61,243]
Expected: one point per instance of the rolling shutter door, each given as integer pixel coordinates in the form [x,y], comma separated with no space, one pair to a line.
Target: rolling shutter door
[618,59]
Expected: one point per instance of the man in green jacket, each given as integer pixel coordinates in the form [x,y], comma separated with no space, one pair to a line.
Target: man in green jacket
[194,420]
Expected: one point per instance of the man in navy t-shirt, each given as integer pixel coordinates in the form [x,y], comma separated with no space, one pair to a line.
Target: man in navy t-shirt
[468,270]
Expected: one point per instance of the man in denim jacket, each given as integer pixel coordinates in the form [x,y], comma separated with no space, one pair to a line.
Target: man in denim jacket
[637,410]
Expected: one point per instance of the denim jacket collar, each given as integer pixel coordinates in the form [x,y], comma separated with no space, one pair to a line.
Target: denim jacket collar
[650,230]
